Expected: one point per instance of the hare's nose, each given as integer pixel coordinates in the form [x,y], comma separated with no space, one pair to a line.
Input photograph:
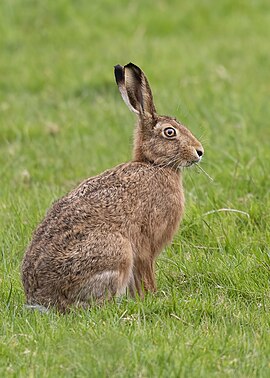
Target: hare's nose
[199,152]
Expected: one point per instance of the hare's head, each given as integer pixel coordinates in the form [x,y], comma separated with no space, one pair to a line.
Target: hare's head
[160,140]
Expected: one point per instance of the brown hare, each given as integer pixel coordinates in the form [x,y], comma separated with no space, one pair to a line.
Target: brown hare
[102,239]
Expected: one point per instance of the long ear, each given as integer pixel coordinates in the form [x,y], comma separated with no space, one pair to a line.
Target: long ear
[135,89]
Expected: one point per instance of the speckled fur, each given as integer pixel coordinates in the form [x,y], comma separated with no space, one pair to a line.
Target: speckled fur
[102,239]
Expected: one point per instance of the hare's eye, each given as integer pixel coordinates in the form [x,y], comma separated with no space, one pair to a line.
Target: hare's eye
[169,132]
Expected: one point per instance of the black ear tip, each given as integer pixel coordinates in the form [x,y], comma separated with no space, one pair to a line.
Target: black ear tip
[135,69]
[119,74]
[130,64]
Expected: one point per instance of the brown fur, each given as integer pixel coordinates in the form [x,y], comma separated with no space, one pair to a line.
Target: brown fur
[104,236]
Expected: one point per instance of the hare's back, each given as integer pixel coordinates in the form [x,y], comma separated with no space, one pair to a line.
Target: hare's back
[107,202]
[125,178]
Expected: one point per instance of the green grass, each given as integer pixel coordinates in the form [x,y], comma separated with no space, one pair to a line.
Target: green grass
[62,120]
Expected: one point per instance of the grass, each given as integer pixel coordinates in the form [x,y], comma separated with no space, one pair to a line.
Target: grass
[62,120]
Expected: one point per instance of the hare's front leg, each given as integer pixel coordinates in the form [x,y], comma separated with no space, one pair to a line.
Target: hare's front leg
[144,276]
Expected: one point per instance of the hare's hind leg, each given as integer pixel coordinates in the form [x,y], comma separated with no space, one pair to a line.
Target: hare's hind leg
[103,270]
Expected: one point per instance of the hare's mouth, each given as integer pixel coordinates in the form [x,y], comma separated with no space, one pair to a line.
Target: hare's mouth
[189,163]
[183,164]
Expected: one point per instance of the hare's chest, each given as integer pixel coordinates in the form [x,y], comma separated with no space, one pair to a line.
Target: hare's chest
[165,218]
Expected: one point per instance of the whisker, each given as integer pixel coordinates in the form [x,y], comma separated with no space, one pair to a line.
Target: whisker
[202,170]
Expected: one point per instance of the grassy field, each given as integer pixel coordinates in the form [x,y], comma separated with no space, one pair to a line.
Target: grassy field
[62,120]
